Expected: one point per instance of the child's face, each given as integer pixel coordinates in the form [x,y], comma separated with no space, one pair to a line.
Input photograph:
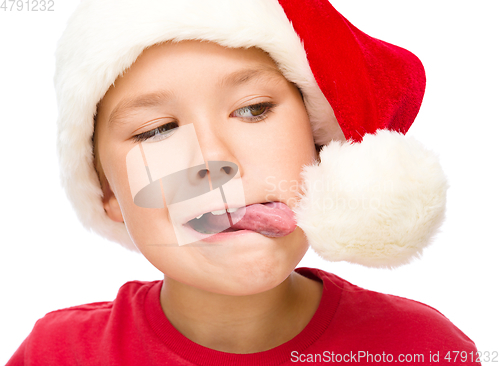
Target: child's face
[208,86]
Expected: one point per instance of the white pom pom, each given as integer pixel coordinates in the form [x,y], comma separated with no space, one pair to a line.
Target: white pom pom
[377,203]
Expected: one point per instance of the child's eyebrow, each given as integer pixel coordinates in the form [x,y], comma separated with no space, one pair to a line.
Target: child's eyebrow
[266,72]
[126,106]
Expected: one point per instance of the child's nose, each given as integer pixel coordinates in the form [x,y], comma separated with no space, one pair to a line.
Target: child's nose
[218,145]
[219,173]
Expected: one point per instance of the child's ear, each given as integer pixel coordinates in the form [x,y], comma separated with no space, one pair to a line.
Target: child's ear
[110,203]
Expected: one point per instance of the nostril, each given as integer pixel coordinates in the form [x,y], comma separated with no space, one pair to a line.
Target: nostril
[202,173]
[227,169]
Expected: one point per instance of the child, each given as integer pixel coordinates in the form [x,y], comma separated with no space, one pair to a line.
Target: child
[171,113]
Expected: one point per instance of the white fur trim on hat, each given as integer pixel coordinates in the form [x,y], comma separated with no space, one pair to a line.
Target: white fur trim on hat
[104,38]
[377,203]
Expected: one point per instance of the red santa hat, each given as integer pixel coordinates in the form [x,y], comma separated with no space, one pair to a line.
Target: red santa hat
[377,198]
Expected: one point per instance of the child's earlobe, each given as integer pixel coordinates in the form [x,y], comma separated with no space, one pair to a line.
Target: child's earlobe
[113,209]
[110,204]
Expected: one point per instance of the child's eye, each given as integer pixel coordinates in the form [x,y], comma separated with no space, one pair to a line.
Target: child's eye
[158,134]
[254,112]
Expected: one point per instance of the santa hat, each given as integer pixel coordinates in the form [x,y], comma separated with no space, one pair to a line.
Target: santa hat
[376,199]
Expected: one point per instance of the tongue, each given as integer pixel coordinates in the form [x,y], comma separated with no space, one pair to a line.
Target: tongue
[274,219]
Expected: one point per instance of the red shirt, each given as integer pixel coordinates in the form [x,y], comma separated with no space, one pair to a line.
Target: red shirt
[351,325]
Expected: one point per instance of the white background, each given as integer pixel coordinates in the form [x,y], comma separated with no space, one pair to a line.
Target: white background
[48,261]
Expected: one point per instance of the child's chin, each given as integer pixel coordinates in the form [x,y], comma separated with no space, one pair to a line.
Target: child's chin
[246,283]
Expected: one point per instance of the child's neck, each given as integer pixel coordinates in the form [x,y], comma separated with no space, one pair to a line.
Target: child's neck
[241,324]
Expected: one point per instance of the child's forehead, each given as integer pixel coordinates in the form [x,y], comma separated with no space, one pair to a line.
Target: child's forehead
[186,54]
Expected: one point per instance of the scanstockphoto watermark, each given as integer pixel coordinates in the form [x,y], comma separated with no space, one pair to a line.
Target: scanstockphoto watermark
[27,5]
[451,357]
[356,357]
[342,195]
[374,186]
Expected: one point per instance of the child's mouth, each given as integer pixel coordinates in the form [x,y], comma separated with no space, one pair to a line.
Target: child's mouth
[207,224]
[273,219]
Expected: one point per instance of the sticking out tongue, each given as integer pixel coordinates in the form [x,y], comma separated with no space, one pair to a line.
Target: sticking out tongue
[274,219]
